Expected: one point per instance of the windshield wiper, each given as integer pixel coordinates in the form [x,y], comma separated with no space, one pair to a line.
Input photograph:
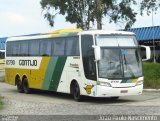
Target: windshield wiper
[127,67]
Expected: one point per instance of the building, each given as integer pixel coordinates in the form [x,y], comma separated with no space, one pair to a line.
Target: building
[149,36]
[2,43]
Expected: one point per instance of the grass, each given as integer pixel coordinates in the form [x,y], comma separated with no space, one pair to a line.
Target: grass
[151,75]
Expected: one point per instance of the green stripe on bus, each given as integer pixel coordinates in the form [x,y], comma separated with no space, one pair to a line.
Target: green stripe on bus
[57,73]
[49,72]
[124,81]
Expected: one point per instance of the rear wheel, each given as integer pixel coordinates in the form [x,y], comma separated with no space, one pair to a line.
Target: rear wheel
[26,88]
[19,85]
[76,91]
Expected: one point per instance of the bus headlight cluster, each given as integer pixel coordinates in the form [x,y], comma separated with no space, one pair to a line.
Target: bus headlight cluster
[139,82]
[103,84]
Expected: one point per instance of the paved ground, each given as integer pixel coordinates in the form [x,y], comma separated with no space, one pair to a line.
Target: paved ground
[49,103]
[1,75]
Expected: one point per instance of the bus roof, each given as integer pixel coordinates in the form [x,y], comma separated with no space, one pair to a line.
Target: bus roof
[57,33]
[106,32]
[69,32]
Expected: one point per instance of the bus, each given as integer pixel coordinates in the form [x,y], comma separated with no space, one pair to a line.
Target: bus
[96,63]
[2,60]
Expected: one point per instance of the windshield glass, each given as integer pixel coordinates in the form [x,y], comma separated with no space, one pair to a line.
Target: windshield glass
[115,41]
[120,63]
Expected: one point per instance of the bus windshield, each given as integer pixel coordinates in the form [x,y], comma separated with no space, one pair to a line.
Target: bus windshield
[119,58]
[119,63]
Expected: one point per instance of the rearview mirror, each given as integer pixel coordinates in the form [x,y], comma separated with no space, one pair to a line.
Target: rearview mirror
[147,52]
[97,51]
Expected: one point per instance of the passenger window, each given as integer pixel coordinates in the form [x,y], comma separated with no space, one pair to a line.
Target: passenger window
[59,46]
[16,48]
[33,47]
[72,46]
[9,48]
[45,47]
[24,48]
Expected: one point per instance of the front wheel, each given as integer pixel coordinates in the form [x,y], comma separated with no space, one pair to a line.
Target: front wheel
[76,92]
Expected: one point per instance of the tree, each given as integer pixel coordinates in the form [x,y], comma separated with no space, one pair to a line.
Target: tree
[149,6]
[84,12]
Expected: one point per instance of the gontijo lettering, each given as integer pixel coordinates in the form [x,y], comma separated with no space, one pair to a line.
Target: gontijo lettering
[28,62]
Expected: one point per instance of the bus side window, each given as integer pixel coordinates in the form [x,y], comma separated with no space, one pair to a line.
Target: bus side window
[45,47]
[9,48]
[24,48]
[72,46]
[16,48]
[58,46]
[88,57]
[33,48]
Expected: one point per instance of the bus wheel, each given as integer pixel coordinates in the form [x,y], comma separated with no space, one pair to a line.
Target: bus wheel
[19,85]
[26,86]
[76,92]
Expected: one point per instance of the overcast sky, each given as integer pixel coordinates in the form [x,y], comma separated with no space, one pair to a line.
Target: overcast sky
[20,17]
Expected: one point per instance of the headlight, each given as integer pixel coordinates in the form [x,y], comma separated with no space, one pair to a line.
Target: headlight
[103,84]
[139,82]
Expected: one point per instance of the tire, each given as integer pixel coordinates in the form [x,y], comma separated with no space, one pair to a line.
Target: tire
[19,85]
[26,88]
[76,92]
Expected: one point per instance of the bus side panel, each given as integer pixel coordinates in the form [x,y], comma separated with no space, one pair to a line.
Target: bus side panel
[53,73]
[37,76]
[10,74]
[73,70]
[70,72]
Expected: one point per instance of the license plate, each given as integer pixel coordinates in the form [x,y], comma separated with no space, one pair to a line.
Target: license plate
[124,91]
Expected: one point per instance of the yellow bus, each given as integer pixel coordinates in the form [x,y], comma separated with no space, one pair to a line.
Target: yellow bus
[94,63]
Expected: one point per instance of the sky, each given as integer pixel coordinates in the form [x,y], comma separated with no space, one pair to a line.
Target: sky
[22,17]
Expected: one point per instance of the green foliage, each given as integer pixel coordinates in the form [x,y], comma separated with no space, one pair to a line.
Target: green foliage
[149,5]
[151,75]
[84,12]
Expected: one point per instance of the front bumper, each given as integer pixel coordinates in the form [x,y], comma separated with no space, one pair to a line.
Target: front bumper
[103,91]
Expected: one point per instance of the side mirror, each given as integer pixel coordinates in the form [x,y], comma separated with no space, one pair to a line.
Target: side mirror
[97,51]
[147,52]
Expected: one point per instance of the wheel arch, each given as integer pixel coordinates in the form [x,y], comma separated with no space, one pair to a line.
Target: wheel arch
[72,83]
[24,76]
